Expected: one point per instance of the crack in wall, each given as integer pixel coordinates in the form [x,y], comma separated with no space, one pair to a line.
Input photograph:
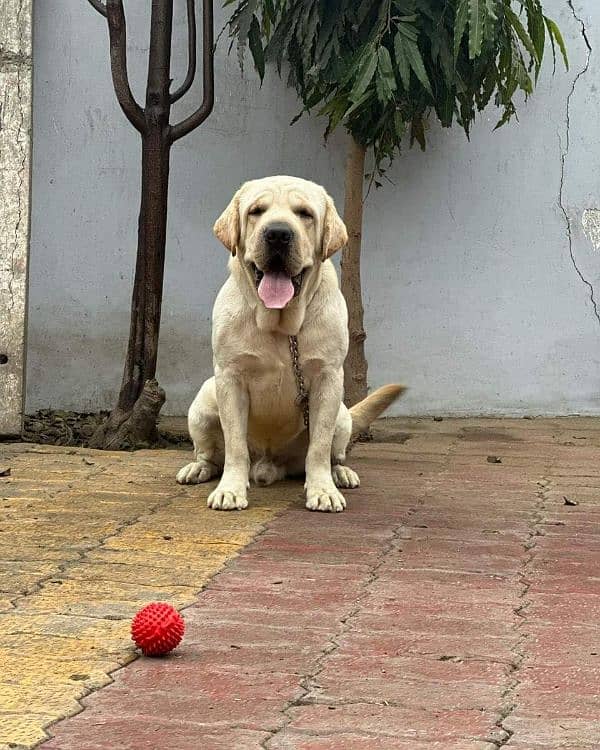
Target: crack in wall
[563,158]
[21,174]
[20,61]
[15,158]
[19,140]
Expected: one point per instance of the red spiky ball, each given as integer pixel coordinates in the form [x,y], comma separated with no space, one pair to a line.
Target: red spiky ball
[157,629]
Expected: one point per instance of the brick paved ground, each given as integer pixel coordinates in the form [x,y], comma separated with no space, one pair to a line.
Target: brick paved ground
[86,538]
[454,605]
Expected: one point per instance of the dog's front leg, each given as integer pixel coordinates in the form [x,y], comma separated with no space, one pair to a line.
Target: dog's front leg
[326,391]
[233,400]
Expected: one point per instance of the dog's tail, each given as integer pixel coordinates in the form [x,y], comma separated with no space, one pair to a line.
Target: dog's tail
[367,410]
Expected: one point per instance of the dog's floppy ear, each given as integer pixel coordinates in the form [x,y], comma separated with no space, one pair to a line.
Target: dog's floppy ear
[335,235]
[227,226]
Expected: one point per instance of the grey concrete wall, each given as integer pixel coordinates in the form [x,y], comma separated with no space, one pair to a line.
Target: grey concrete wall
[478,273]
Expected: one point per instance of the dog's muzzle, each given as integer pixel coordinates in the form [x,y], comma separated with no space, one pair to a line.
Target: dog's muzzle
[278,238]
[276,282]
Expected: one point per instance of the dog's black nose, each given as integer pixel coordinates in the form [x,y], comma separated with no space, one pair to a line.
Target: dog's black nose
[278,234]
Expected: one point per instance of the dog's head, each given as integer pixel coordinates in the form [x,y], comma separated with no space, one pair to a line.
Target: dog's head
[281,228]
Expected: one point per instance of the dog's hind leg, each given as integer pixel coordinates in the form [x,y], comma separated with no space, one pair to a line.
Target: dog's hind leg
[205,430]
[343,476]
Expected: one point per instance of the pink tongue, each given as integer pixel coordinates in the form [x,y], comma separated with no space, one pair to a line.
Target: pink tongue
[275,290]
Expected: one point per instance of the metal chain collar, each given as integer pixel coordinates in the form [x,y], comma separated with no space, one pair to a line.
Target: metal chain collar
[302,397]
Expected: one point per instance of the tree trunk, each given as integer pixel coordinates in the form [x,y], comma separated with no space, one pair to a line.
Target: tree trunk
[355,366]
[124,429]
[132,423]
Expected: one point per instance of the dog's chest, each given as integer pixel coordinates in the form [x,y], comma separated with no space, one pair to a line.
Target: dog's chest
[274,416]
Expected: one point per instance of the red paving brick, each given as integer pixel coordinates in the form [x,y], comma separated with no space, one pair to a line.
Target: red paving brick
[152,733]
[454,605]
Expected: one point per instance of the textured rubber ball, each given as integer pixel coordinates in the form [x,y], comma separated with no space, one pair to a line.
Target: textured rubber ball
[157,629]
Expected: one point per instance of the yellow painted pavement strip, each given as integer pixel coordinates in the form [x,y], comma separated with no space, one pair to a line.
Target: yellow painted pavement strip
[86,538]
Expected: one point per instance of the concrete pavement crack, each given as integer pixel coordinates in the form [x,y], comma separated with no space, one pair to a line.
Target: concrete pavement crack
[308,682]
[518,650]
[563,157]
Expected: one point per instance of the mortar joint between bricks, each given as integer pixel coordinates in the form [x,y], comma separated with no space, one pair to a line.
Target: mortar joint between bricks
[530,545]
[394,544]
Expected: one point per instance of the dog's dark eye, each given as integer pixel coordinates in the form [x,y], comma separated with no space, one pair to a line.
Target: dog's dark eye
[303,213]
[256,211]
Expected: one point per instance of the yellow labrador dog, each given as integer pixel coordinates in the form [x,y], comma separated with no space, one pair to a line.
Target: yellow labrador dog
[279,329]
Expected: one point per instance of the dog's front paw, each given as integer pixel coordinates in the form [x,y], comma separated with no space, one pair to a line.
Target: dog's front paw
[226,498]
[324,498]
[344,476]
[196,472]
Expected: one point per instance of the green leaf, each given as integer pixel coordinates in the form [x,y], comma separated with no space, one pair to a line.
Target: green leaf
[313,99]
[554,32]
[408,31]
[362,11]
[325,33]
[536,28]
[309,36]
[515,22]
[553,50]
[445,108]
[385,77]
[399,125]
[509,111]
[255,44]
[383,93]
[460,24]
[367,95]
[416,63]
[270,10]
[335,110]
[417,132]
[477,16]
[276,49]
[402,62]
[446,61]
[519,71]
[365,74]
[489,84]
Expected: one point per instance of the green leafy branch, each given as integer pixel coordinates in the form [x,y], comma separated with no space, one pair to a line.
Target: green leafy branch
[381,68]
